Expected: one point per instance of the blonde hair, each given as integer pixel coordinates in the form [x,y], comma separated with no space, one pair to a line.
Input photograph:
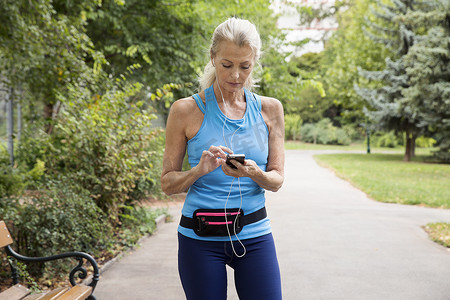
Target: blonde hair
[242,33]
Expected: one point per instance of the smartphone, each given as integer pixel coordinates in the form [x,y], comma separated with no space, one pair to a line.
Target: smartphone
[239,157]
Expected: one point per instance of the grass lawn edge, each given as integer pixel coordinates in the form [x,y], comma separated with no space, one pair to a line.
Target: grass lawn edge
[437,232]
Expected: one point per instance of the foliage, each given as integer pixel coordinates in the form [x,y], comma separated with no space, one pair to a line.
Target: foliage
[346,50]
[311,102]
[353,131]
[14,179]
[149,183]
[324,132]
[104,143]
[41,51]
[161,36]
[23,274]
[387,109]
[285,81]
[425,142]
[405,92]
[426,64]
[386,178]
[62,217]
[136,221]
[11,182]
[309,133]
[388,139]
[292,125]
[32,146]
[59,217]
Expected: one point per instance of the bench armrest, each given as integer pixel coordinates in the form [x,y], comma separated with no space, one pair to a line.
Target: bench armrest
[79,256]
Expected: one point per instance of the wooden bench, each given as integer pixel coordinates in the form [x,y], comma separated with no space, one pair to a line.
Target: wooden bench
[77,291]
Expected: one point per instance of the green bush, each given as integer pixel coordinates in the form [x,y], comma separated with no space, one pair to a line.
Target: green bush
[425,142]
[105,144]
[11,182]
[354,133]
[325,133]
[136,221]
[32,147]
[59,217]
[309,133]
[342,137]
[14,179]
[389,139]
[150,183]
[292,126]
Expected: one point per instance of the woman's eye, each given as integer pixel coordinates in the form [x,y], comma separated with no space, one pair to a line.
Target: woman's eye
[246,67]
[226,66]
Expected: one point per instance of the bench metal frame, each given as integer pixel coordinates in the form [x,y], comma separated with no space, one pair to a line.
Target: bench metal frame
[79,256]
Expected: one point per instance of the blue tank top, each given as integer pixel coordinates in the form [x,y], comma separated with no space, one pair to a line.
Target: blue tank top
[248,136]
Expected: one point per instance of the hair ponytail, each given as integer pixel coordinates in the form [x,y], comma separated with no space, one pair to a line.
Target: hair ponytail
[208,77]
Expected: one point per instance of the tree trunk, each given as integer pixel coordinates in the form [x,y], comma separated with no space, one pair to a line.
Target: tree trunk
[19,121]
[409,146]
[48,114]
[10,124]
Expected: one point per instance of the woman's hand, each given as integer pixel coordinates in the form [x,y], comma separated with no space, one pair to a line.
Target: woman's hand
[212,158]
[248,169]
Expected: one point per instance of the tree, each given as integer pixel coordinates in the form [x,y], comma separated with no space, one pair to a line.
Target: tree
[42,51]
[385,108]
[161,36]
[427,65]
[346,50]
[311,103]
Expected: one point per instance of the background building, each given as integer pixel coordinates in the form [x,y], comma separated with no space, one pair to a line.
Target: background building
[316,31]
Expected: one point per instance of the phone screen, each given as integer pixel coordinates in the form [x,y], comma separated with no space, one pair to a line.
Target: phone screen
[239,157]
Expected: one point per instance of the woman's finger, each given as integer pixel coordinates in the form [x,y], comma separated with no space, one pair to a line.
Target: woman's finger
[218,151]
[226,149]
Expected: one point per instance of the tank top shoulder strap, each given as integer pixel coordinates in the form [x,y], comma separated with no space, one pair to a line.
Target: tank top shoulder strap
[254,98]
[200,103]
[209,94]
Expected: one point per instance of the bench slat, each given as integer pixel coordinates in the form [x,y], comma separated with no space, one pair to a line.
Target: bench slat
[15,292]
[5,236]
[52,295]
[78,292]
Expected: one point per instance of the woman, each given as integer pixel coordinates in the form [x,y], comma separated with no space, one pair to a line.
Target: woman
[224,221]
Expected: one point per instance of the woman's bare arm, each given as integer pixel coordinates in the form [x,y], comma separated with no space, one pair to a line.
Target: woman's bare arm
[271,179]
[173,180]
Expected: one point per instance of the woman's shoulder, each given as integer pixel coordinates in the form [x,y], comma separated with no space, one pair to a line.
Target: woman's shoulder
[186,105]
[271,105]
[183,104]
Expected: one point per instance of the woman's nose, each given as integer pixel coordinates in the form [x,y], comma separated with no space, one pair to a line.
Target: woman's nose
[235,74]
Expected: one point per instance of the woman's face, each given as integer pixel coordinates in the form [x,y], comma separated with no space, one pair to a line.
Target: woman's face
[233,65]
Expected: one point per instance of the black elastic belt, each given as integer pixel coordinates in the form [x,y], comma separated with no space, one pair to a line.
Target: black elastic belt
[244,220]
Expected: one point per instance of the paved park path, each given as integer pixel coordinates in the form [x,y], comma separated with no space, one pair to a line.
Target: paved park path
[332,241]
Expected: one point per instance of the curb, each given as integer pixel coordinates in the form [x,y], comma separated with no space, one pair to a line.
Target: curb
[159,221]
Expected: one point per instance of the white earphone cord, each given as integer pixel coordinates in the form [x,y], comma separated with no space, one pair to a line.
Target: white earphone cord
[231,185]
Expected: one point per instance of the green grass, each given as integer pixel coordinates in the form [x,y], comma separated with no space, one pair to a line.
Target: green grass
[439,232]
[387,178]
[295,145]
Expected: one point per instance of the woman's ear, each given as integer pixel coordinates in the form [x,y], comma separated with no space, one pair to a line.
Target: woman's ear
[212,59]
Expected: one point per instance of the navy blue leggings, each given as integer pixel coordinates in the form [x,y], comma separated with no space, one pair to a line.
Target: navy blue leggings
[202,268]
